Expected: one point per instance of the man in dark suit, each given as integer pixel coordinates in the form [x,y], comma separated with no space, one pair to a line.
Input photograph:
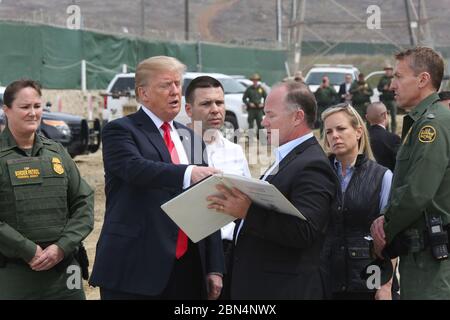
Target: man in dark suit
[344,89]
[384,143]
[445,98]
[277,255]
[141,253]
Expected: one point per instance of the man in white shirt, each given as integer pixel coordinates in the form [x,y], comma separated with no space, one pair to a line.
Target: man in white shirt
[205,105]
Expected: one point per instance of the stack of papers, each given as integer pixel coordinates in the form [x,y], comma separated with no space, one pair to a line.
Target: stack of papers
[190,212]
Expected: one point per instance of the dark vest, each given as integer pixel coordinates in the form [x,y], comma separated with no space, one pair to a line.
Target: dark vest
[347,250]
[33,194]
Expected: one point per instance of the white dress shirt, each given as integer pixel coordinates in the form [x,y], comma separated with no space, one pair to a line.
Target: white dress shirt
[230,158]
[280,153]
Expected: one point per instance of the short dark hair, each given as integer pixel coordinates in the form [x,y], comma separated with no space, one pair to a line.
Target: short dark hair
[424,59]
[201,82]
[300,97]
[444,95]
[13,88]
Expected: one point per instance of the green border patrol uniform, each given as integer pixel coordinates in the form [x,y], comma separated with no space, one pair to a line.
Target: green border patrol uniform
[420,190]
[256,95]
[43,200]
[361,93]
[388,98]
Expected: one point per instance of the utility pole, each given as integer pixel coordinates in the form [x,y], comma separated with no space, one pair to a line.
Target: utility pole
[410,30]
[301,28]
[296,28]
[186,20]
[142,18]
[422,28]
[424,25]
[278,27]
[291,28]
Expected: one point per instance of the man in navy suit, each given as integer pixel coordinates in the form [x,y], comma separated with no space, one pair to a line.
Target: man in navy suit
[384,144]
[445,98]
[277,255]
[344,89]
[141,253]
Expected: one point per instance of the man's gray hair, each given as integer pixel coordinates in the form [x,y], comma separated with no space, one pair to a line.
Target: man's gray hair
[299,97]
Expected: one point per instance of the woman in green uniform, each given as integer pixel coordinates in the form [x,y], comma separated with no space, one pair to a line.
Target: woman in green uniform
[46,208]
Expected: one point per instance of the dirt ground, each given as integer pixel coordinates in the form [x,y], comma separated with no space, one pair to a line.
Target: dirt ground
[91,169]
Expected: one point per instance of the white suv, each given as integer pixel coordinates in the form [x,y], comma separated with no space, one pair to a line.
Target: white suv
[120,99]
[336,74]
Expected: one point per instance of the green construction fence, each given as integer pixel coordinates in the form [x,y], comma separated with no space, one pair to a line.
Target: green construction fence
[53,55]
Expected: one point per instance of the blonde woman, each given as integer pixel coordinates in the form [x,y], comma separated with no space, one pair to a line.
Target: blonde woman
[364,192]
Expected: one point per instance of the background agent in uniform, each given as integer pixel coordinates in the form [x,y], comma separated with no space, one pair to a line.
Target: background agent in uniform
[254,98]
[387,95]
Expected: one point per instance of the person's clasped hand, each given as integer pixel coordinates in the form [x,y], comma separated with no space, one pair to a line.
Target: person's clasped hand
[47,258]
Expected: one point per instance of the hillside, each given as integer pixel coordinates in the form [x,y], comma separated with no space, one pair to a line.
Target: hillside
[243,21]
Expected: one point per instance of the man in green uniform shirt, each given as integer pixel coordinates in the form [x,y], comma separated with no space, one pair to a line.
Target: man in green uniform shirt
[387,95]
[417,216]
[361,93]
[326,96]
[254,98]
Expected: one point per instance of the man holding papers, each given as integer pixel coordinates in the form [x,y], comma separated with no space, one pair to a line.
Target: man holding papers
[277,255]
[141,253]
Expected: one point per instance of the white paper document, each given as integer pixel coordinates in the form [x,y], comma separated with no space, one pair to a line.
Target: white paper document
[190,212]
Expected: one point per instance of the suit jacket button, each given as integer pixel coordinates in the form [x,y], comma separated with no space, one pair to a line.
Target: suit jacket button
[343,288]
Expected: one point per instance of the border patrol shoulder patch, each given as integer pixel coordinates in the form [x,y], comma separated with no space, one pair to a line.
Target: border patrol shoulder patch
[57,166]
[427,134]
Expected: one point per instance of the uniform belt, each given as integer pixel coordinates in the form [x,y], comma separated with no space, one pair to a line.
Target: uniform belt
[411,241]
[4,261]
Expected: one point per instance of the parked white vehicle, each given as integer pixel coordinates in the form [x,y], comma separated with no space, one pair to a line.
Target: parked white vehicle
[247,82]
[119,93]
[336,74]
[373,78]
[120,100]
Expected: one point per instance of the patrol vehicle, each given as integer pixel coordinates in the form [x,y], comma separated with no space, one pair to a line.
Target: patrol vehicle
[120,99]
[335,72]
[77,134]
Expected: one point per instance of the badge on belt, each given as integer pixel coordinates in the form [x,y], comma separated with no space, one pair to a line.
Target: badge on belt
[57,166]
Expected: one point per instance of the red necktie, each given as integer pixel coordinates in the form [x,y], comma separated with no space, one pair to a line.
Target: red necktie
[182,241]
